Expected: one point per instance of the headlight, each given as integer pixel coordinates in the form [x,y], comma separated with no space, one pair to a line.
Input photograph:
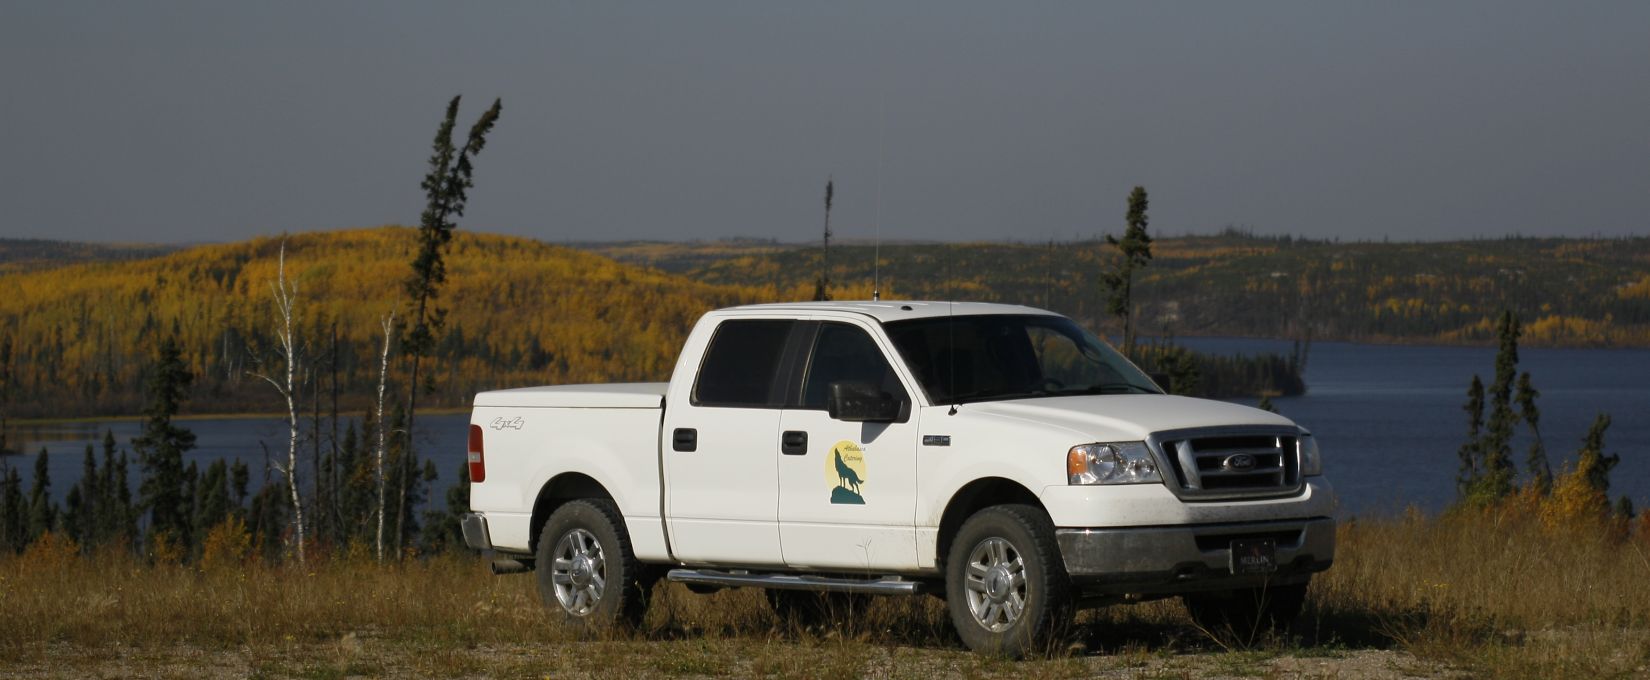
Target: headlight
[1116,463]
[1311,460]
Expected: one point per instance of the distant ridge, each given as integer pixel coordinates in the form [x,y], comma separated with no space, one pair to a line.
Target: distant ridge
[29,254]
[1568,291]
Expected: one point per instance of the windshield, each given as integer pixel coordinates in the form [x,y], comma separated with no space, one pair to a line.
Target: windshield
[1001,356]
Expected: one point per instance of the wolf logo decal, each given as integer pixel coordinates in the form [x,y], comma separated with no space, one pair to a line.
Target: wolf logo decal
[845,472]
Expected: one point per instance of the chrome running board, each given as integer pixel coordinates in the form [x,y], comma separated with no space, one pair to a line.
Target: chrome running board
[887,585]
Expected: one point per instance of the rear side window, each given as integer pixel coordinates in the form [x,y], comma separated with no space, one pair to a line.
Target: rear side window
[741,363]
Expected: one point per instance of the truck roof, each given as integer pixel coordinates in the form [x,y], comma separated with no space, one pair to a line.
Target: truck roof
[895,310]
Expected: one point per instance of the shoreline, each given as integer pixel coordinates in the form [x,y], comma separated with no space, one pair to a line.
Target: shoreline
[248,415]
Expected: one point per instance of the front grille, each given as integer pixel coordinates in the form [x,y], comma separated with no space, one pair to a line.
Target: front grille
[1222,464]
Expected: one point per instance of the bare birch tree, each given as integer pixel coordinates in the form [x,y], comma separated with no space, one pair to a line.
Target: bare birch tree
[388,322]
[285,294]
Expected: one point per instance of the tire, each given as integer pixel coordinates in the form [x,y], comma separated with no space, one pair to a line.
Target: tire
[1248,611]
[807,609]
[1006,584]
[587,572]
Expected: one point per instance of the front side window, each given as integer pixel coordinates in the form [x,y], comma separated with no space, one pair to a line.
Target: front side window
[741,363]
[844,353]
[1003,356]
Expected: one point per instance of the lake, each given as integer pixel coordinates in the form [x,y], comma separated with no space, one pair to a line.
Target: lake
[1388,418]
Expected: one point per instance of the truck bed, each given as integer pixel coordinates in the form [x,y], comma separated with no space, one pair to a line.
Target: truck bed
[607,432]
[613,395]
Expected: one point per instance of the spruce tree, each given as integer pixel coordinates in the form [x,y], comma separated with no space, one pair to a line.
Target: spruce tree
[80,506]
[74,516]
[14,514]
[355,488]
[106,507]
[161,446]
[191,492]
[239,477]
[446,188]
[1592,457]
[1498,472]
[42,512]
[127,511]
[103,502]
[268,519]
[212,498]
[440,525]
[1541,472]
[1467,477]
[1136,248]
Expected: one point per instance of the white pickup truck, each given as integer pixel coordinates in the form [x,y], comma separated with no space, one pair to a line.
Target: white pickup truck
[999,456]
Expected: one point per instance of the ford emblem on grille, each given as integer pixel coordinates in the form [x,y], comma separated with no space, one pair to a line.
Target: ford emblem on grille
[1239,462]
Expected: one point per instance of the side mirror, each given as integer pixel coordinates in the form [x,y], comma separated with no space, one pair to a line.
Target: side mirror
[859,402]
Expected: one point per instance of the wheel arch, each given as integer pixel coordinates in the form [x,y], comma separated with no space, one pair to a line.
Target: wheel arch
[973,497]
[567,486]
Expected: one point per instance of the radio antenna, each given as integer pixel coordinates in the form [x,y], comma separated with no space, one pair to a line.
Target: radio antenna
[876,247]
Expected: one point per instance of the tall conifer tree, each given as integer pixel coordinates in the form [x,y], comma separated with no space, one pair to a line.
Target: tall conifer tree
[1136,249]
[446,188]
[161,446]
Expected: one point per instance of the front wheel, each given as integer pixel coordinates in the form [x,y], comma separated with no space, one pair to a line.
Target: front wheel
[587,571]
[1005,582]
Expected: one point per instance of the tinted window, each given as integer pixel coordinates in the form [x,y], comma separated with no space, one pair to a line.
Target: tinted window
[740,364]
[843,353]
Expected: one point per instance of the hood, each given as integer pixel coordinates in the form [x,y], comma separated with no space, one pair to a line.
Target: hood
[1127,417]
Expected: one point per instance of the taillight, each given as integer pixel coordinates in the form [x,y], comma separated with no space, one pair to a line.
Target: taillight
[478,463]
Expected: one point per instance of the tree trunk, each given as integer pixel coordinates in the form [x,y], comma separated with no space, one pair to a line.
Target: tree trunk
[383,375]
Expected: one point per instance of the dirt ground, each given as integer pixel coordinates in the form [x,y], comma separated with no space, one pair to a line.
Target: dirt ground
[351,657]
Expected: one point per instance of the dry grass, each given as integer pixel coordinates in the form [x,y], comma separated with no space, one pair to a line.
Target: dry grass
[1482,593]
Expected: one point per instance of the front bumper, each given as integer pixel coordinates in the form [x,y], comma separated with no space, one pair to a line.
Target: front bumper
[475,532]
[1174,559]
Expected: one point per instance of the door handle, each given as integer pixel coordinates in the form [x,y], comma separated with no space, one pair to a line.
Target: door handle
[684,439]
[793,443]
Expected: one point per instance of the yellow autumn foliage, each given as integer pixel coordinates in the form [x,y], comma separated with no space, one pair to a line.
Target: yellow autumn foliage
[519,312]
[227,546]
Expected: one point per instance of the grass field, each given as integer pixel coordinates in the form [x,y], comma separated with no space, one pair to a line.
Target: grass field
[1480,594]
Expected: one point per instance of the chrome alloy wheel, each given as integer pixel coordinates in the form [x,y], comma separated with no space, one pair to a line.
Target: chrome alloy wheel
[996,584]
[579,572]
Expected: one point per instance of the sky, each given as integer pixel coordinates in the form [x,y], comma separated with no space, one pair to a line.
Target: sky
[212,121]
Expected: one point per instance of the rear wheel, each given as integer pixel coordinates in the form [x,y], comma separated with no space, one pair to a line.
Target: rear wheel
[1006,584]
[1248,611]
[587,571]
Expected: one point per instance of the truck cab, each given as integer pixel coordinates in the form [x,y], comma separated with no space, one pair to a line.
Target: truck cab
[998,456]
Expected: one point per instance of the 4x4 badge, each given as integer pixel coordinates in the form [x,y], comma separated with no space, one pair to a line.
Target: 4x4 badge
[500,423]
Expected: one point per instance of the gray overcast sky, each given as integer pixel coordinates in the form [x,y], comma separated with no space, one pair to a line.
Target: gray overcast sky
[216,121]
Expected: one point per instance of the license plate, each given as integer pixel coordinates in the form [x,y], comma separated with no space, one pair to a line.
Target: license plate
[1254,556]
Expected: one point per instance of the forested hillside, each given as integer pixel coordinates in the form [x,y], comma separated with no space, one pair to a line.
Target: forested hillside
[26,254]
[79,339]
[1579,292]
